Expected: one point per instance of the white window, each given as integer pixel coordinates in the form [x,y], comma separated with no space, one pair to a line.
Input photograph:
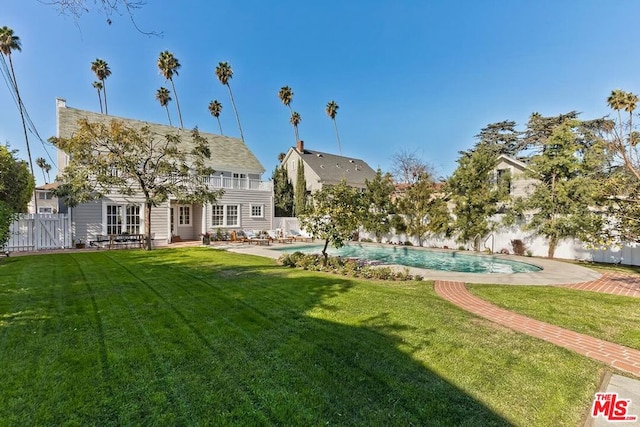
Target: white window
[123,218]
[45,195]
[45,210]
[185,215]
[217,216]
[225,216]
[257,211]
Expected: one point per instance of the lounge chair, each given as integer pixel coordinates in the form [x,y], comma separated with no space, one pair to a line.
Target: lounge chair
[274,236]
[252,237]
[299,236]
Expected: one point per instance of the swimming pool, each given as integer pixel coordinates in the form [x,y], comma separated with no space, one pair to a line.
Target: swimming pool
[447,260]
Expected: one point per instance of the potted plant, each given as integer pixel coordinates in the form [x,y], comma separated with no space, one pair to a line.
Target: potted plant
[80,244]
[206,238]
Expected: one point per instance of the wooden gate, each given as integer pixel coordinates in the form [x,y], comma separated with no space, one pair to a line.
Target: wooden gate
[34,232]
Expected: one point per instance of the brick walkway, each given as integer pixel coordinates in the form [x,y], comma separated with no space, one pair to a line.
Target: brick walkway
[615,355]
[612,283]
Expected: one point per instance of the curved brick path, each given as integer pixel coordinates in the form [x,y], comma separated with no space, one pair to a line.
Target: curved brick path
[618,356]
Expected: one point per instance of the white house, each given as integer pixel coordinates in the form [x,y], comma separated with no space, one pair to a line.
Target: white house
[247,201]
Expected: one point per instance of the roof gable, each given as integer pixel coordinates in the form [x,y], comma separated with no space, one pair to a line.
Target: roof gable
[227,153]
[331,168]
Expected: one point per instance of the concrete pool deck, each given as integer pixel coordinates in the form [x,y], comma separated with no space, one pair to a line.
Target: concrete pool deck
[552,273]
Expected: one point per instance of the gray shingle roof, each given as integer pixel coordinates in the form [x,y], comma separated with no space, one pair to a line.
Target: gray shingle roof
[227,154]
[331,168]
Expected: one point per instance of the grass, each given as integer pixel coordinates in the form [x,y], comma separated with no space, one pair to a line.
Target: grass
[609,317]
[198,336]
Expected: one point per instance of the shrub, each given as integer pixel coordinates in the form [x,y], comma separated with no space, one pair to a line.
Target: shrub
[518,247]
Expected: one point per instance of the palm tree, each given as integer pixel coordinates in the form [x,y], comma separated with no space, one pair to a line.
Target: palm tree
[286,96]
[621,100]
[224,74]
[42,164]
[164,96]
[102,71]
[332,110]
[295,121]
[8,43]
[97,85]
[215,108]
[168,66]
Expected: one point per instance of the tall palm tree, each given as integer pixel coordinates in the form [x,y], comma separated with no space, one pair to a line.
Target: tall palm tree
[286,96]
[295,121]
[168,66]
[102,71]
[332,110]
[97,85]
[215,108]
[8,43]
[164,96]
[224,72]
[621,100]
[46,167]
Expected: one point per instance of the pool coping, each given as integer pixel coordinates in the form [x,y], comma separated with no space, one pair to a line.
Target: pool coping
[554,272]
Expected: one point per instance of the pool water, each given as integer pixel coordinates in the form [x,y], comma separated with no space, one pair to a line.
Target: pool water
[447,260]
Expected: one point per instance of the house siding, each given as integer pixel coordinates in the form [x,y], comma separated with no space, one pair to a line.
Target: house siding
[245,199]
[87,221]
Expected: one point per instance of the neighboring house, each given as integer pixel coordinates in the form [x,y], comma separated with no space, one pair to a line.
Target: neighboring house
[247,202]
[510,172]
[326,169]
[47,201]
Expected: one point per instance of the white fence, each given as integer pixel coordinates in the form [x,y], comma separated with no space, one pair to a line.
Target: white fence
[33,232]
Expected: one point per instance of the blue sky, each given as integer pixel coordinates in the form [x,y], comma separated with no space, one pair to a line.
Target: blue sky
[420,76]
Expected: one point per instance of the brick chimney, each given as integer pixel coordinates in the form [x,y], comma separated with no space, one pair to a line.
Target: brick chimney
[300,147]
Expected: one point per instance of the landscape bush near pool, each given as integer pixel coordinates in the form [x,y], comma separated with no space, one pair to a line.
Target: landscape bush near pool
[345,266]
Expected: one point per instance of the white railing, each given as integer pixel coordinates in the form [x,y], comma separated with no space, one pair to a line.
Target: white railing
[225,182]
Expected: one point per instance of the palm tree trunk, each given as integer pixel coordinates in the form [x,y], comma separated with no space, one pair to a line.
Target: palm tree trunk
[104,89]
[335,125]
[219,125]
[100,101]
[233,103]
[44,176]
[24,128]
[166,106]
[177,103]
[295,128]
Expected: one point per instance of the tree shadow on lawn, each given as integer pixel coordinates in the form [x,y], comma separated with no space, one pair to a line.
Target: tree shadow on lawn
[229,340]
[266,360]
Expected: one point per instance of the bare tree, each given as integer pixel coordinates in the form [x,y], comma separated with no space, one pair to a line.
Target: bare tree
[408,167]
[76,8]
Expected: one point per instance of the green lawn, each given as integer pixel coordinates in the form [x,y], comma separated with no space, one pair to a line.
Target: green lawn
[609,317]
[198,336]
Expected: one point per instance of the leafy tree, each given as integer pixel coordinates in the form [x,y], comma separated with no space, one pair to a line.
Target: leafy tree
[332,110]
[8,43]
[102,71]
[224,72]
[423,210]
[16,189]
[334,215]
[215,108]
[163,96]
[474,193]
[283,195]
[503,136]
[560,203]
[98,86]
[300,193]
[168,66]
[378,204]
[117,159]
[46,167]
